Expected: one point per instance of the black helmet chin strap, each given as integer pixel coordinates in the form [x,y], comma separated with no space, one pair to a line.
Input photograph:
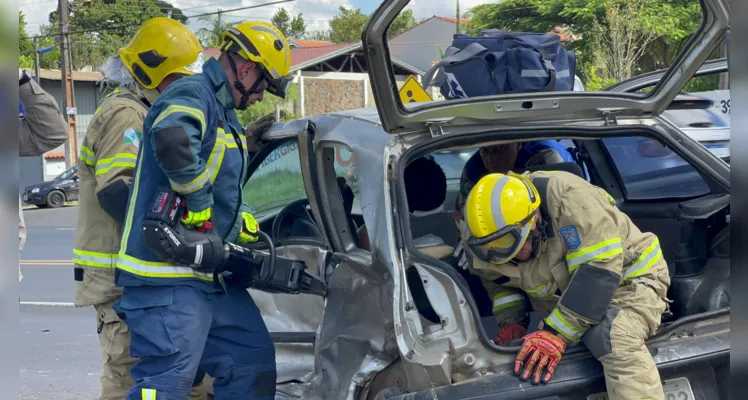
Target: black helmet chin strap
[240,86]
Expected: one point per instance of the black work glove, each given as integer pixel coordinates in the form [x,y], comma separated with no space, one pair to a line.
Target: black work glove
[255,130]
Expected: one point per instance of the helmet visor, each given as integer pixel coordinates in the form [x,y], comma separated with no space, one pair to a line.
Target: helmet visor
[279,87]
[501,246]
[197,66]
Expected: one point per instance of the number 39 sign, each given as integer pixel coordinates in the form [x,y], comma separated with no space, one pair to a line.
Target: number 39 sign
[721,99]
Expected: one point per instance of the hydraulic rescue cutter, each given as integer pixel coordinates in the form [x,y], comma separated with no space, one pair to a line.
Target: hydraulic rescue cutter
[256,266]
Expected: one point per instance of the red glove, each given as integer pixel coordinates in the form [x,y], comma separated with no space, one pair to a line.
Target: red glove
[510,332]
[544,349]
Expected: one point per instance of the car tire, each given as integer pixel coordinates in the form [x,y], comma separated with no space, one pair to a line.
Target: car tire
[55,199]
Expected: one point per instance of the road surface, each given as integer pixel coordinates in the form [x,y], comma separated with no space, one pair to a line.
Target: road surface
[59,346]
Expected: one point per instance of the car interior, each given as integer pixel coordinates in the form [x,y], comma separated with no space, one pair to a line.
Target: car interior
[662,198]
[656,188]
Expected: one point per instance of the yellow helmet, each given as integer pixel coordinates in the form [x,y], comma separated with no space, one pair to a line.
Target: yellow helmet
[266,45]
[499,211]
[161,47]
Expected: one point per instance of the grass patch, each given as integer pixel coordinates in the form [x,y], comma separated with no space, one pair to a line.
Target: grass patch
[275,189]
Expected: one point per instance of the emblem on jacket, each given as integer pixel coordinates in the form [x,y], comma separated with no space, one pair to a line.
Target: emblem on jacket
[132,136]
[571,237]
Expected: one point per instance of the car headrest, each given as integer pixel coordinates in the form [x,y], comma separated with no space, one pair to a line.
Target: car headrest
[570,167]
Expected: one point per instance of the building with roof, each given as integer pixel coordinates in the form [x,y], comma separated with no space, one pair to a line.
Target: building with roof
[420,45]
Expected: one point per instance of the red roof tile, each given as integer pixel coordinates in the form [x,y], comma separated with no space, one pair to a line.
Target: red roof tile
[313,43]
[211,52]
[452,19]
[50,154]
[301,55]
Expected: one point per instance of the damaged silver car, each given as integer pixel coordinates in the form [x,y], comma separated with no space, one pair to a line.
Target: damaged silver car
[396,323]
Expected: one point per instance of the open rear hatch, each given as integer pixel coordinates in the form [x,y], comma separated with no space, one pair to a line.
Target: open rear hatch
[444,117]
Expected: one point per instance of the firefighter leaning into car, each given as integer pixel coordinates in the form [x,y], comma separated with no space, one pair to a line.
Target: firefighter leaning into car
[592,275]
[182,318]
[505,157]
[106,164]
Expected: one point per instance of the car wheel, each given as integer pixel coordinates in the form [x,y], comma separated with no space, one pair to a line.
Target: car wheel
[55,199]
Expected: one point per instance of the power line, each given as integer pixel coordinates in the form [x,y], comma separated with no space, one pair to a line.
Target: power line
[109,28]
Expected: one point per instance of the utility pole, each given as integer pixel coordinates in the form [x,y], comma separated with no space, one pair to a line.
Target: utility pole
[68,99]
[36,59]
[458,16]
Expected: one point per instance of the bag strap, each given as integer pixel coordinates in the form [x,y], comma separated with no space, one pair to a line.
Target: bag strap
[452,55]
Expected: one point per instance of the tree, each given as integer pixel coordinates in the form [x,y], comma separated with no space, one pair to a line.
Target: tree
[348,24]
[624,41]
[100,27]
[674,21]
[268,105]
[25,45]
[292,28]
[210,34]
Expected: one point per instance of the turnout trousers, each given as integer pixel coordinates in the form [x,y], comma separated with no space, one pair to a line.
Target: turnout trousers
[618,342]
[114,337]
[174,330]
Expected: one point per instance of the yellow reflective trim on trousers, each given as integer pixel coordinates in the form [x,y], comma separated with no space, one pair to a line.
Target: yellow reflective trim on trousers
[610,198]
[148,394]
[598,251]
[120,160]
[567,330]
[211,170]
[94,259]
[176,108]
[87,155]
[506,300]
[644,262]
[153,269]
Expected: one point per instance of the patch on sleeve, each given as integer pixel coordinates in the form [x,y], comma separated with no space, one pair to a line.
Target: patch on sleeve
[571,237]
[132,137]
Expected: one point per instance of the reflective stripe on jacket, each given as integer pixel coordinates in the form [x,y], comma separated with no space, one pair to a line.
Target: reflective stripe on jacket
[191,141]
[107,155]
[590,250]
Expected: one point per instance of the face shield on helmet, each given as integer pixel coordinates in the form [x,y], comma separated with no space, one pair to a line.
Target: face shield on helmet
[500,212]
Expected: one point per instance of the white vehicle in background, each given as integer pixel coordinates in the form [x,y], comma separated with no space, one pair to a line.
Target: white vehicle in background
[704,116]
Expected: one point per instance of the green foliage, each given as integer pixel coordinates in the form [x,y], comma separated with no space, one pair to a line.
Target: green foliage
[269,104]
[273,190]
[293,28]
[25,45]
[348,24]
[674,21]
[99,28]
[210,34]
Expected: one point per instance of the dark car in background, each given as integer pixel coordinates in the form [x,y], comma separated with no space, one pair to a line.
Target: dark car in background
[55,193]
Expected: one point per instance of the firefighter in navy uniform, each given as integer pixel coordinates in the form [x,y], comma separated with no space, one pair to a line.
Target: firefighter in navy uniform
[180,317]
[556,240]
[105,164]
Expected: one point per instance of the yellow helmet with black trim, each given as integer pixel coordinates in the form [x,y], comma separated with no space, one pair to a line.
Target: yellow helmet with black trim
[161,47]
[265,45]
[500,211]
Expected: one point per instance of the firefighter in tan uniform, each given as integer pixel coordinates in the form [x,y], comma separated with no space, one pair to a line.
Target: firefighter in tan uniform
[106,162]
[556,240]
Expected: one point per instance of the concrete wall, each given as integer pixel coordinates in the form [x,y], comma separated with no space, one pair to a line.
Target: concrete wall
[420,45]
[324,92]
[328,95]
[30,171]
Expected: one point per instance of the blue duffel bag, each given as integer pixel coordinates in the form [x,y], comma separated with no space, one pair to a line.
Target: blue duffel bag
[499,62]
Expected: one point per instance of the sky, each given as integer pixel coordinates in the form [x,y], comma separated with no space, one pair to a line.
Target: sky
[316,13]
